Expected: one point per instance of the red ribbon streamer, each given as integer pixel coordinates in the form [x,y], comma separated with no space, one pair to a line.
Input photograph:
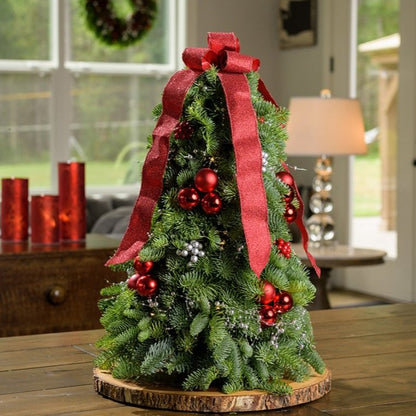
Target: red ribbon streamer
[223,51]
[137,232]
[301,225]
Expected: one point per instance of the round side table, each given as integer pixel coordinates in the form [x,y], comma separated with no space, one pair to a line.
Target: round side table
[330,256]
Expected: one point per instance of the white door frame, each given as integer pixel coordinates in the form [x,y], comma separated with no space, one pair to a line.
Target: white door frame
[396,279]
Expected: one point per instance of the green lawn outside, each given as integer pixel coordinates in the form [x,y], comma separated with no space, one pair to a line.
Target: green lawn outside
[367,200]
[97,173]
[366,193]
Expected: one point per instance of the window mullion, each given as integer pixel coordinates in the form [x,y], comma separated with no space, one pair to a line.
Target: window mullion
[61,100]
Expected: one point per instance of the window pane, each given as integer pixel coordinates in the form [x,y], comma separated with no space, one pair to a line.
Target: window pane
[112,119]
[152,48]
[378,36]
[24,29]
[25,128]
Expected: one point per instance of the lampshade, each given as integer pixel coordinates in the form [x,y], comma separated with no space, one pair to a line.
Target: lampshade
[320,125]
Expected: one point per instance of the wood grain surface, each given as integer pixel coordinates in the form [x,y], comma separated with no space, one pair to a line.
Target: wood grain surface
[371,352]
[211,401]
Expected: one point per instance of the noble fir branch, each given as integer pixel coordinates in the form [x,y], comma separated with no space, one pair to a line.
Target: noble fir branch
[200,379]
[157,356]
[186,343]
[222,351]
[311,356]
[124,369]
[157,111]
[251,377]
[217,331]
[179,317]
[199,323]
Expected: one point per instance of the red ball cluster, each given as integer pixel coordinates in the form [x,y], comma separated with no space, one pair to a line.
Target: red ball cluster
[205,181]
[142,281]
[284,247]
[290,213]
[183,131]
[273,303]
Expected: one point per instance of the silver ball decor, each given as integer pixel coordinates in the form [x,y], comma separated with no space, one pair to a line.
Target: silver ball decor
[194,249]
[264,161]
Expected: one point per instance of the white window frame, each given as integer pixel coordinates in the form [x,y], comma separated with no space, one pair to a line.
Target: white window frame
[61,69]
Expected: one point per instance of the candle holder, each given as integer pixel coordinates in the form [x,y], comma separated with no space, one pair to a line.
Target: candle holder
[14,209]
[44,219]
[72,202]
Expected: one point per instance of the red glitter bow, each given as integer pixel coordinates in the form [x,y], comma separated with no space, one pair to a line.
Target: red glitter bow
[223,51]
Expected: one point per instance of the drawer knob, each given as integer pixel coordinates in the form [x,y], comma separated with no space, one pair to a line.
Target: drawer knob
[56,295]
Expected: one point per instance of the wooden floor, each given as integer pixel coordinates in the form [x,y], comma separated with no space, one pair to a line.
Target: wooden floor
[340,298]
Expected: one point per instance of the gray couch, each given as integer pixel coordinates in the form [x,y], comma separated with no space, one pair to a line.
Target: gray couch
[109,214]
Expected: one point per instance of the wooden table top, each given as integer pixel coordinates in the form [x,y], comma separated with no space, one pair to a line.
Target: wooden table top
[26,248]
[340,255]
[371,352]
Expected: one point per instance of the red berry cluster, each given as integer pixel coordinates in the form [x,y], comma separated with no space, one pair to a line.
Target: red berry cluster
[273,303]
[142,281]
[183,131]
[284,247]
[205,181]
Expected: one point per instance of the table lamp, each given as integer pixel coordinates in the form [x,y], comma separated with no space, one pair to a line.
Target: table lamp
[324,126]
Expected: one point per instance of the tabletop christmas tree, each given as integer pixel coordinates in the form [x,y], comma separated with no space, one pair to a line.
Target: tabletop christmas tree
[214,296]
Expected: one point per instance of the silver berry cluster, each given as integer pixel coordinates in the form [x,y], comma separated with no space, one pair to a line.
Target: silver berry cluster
[194,249]
[264,161]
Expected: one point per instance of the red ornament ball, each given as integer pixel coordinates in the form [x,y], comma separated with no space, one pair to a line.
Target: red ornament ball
[211,203]
[147,286]
[283,302]
[289,196]
[290,213]
[183,130]
[268,315]
[188,198]
[269,293]
[142,267]
[206,180]
[286,178]
[132,282]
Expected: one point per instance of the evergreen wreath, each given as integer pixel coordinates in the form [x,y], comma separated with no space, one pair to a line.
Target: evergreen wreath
[114,30]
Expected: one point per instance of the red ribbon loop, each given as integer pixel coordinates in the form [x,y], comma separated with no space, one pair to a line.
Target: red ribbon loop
[223,54]
[223,41]
[230,61]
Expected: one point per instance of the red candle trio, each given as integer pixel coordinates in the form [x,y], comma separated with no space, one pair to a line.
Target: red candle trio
[53,218]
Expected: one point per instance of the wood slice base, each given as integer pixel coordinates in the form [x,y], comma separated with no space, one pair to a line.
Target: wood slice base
[209,401]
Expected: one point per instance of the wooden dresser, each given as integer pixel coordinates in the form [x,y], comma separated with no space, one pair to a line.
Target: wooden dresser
[53,288]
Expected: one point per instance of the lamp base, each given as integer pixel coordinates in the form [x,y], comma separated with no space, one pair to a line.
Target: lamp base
[321,229]
[320,225]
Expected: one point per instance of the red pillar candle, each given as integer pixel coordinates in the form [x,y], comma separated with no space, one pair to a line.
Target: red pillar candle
[72,204]
[44,220]
[14,209]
